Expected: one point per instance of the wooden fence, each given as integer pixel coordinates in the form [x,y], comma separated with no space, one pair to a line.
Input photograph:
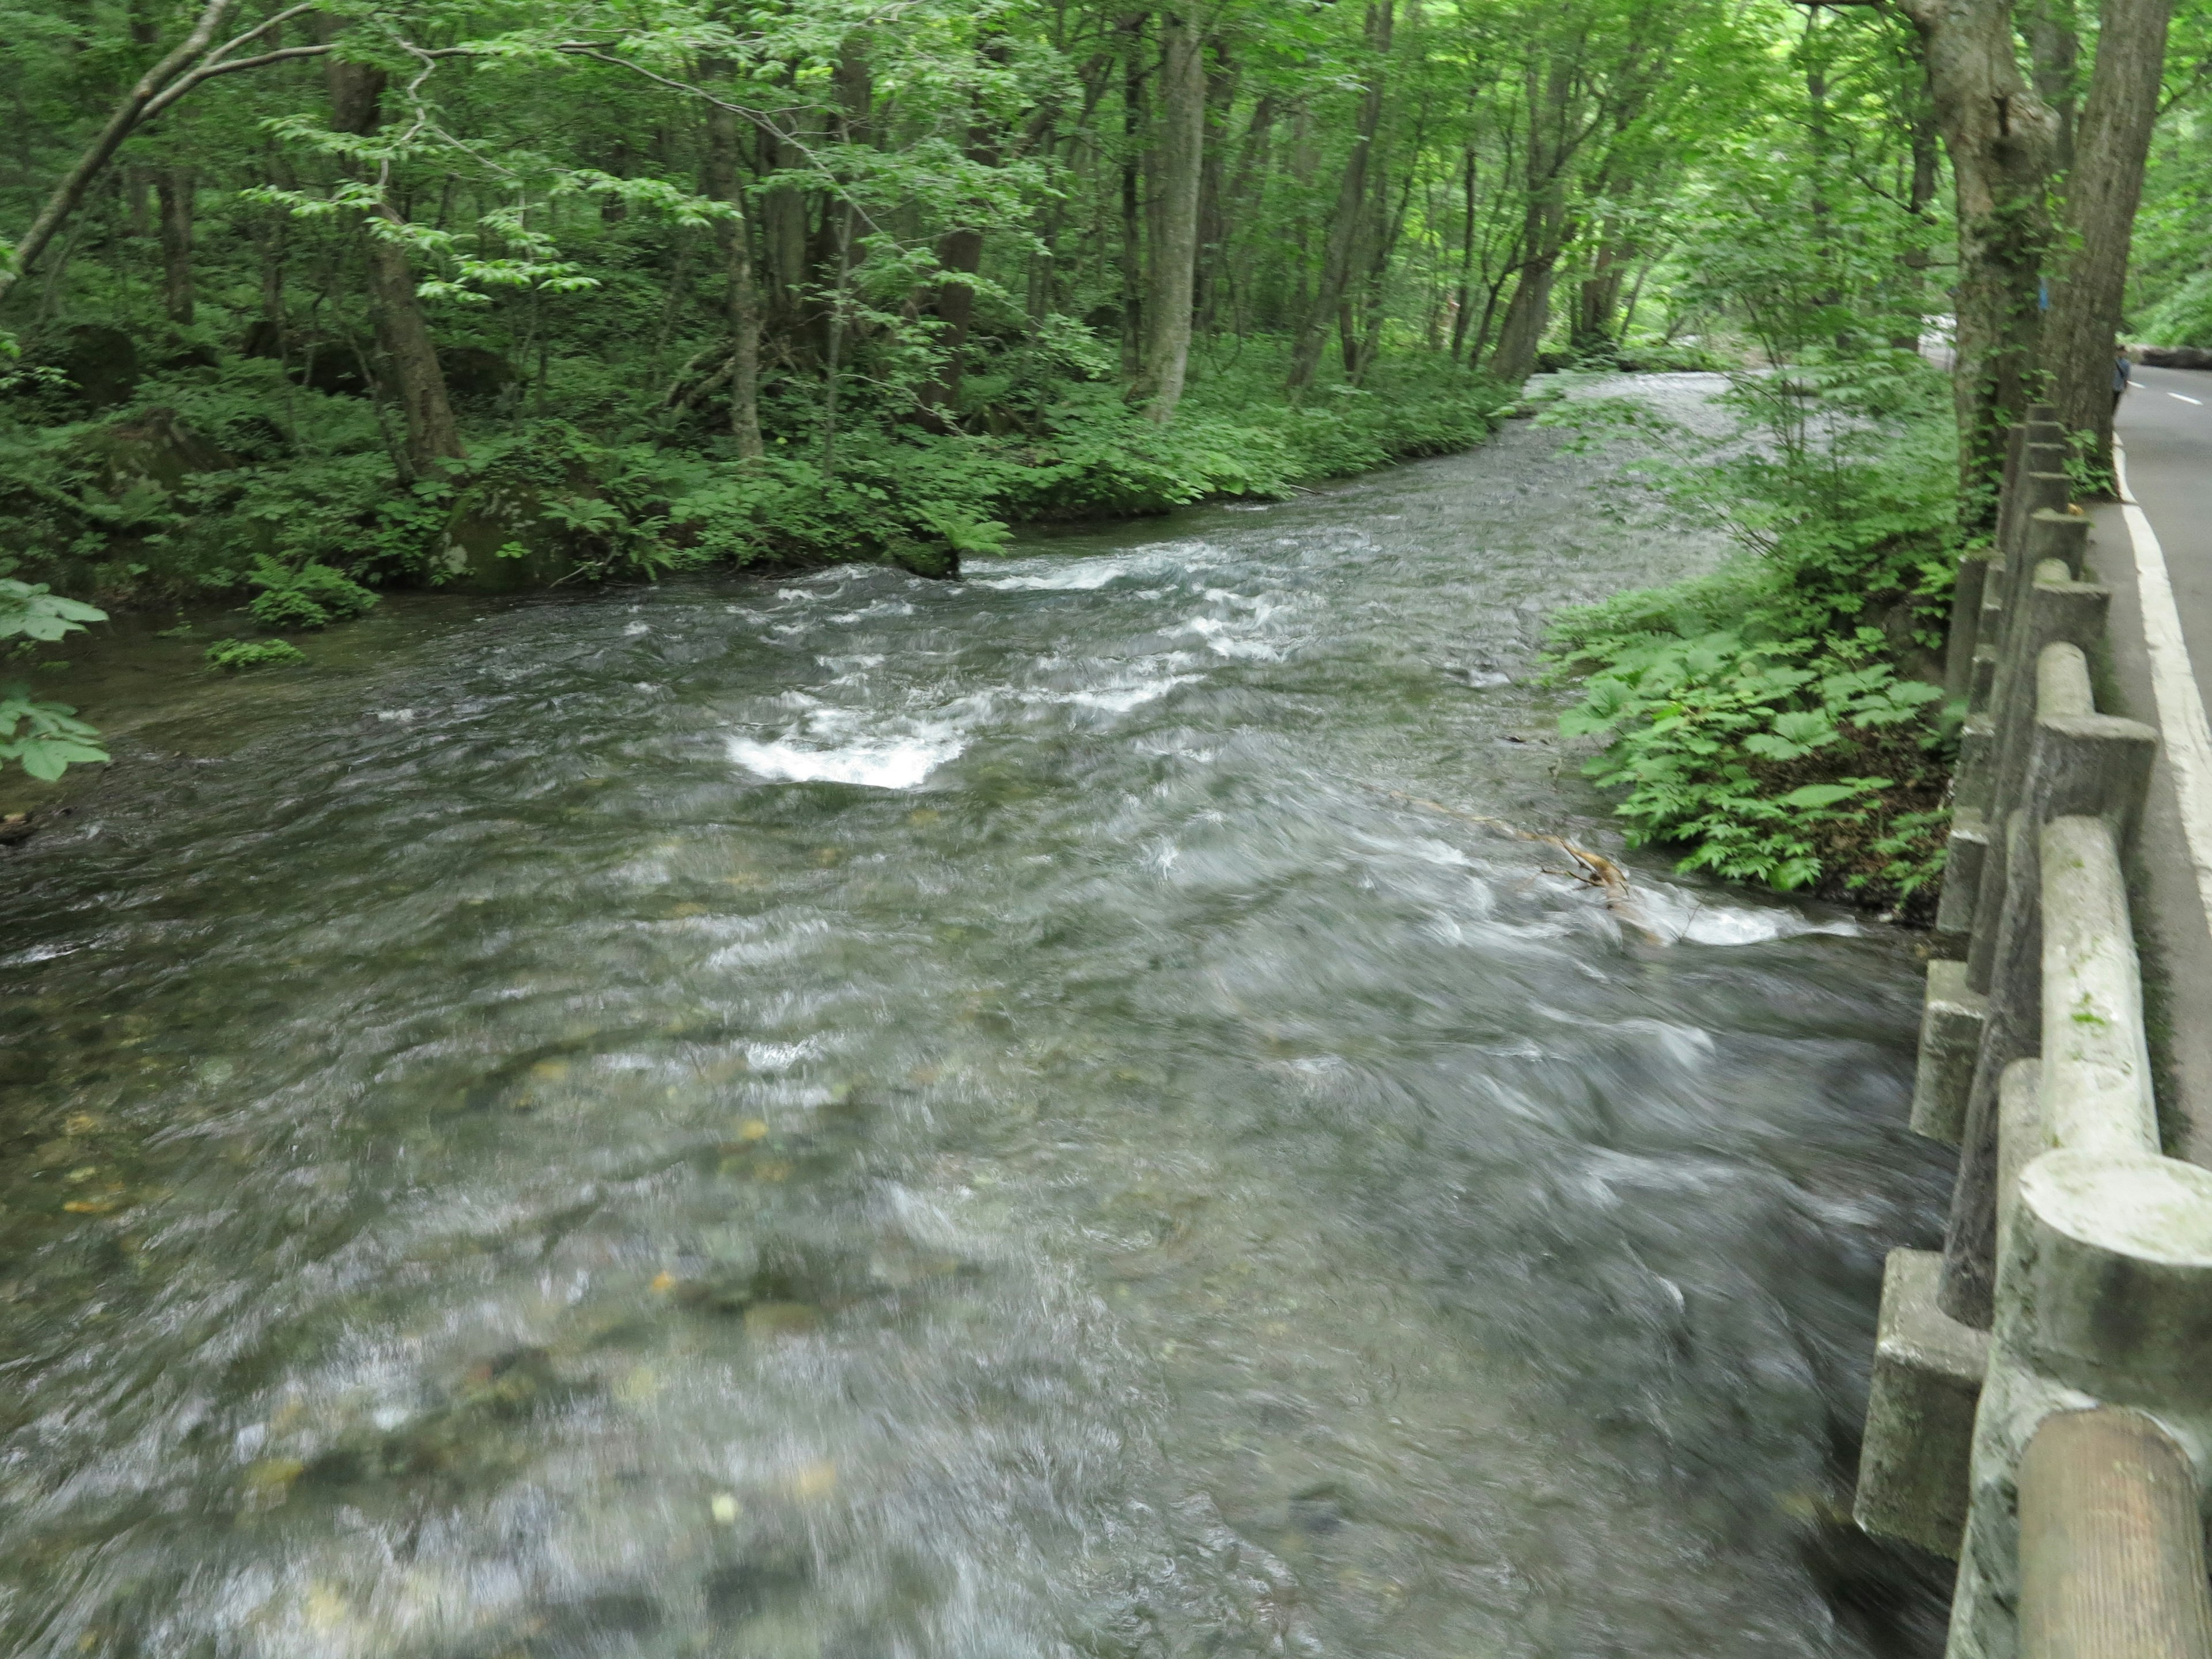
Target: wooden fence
[2041,1408]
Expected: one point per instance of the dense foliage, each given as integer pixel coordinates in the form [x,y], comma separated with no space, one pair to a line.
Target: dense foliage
[435,291]
[1766,717]
[306,302]
[2170,290]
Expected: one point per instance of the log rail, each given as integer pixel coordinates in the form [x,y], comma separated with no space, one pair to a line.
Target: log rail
[2041,1404]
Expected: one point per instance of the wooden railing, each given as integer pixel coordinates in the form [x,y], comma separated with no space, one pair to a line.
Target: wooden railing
[2041,1407]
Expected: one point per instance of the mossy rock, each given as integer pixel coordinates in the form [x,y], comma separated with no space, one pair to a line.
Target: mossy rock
[475,373]
[153,447]
[101,362]
[940,561]
[498,540]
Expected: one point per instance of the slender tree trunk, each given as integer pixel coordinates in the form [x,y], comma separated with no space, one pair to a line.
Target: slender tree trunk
[741,295]
[1175,254]
[1350,199]
[1595,331]
[2055,51]
[1213,145]
[1227,257]
[960,256]
[418,384]
[1543,227]
[1304,165]
[1464,292]
[1921,187]
[175,189]
[783,210]
[2080,329]
[1133,201]
[1365,247]
[2000,136]
[1389,230]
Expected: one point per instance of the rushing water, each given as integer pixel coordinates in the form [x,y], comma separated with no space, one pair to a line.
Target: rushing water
[852,1116]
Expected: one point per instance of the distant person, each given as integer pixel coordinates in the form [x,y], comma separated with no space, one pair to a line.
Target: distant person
[2119,380]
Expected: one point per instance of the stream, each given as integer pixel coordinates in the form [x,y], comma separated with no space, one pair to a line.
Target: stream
[847,1117]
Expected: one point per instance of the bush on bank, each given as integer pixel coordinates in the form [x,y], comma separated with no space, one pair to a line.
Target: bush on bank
[1775,721]
[219,476]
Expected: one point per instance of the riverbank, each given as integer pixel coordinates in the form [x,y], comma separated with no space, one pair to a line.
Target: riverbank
[1782,720]
[212,481]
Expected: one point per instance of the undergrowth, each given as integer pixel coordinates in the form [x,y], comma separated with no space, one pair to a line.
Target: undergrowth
[1770,720]
[227,477]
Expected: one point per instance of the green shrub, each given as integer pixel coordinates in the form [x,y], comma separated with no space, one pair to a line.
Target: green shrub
[1776,762]
[313,596]
[235,656]
[44,739]
[1754,717]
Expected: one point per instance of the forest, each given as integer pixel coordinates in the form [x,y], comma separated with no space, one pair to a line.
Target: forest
[306,302]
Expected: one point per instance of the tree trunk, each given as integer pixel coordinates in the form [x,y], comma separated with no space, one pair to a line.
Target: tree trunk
[1999,137]
[1464,293]
[175,188]
[1920,197]
[2054,50]
[1351,198]
[410,355]
[1527,315]
[1595,331]
[2079,331]
[783,212]
[1133,201]
[960,255]
[1543,228]
[1174,253]
[1212,185]
[741,298]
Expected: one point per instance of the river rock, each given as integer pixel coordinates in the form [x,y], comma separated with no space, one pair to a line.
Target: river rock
[153,447]
[498,540]
[935,559]
[102,363]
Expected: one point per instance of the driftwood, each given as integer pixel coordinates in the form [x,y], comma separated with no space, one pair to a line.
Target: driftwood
[1592,869]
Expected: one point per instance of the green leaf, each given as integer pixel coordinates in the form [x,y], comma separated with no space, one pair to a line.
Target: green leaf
[1815,795]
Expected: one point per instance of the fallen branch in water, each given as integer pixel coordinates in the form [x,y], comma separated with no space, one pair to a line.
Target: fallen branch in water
[1594,869]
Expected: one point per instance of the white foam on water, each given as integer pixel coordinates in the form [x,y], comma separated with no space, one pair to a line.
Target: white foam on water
[1081,576]
[1682,917]
[838,745]
[1061,573]
[1121,700]
[1224,642]
[780,1057]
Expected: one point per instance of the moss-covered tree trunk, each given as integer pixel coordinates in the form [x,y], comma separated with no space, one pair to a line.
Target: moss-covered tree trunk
[2080,335]
[1174,250]
[2000,138]
[1344,225]
[741,295]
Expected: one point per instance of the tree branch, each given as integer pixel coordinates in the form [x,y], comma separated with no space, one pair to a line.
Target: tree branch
[120,125]
[209,71]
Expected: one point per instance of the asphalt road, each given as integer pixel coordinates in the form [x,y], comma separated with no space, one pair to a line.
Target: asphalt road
[2164,429]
